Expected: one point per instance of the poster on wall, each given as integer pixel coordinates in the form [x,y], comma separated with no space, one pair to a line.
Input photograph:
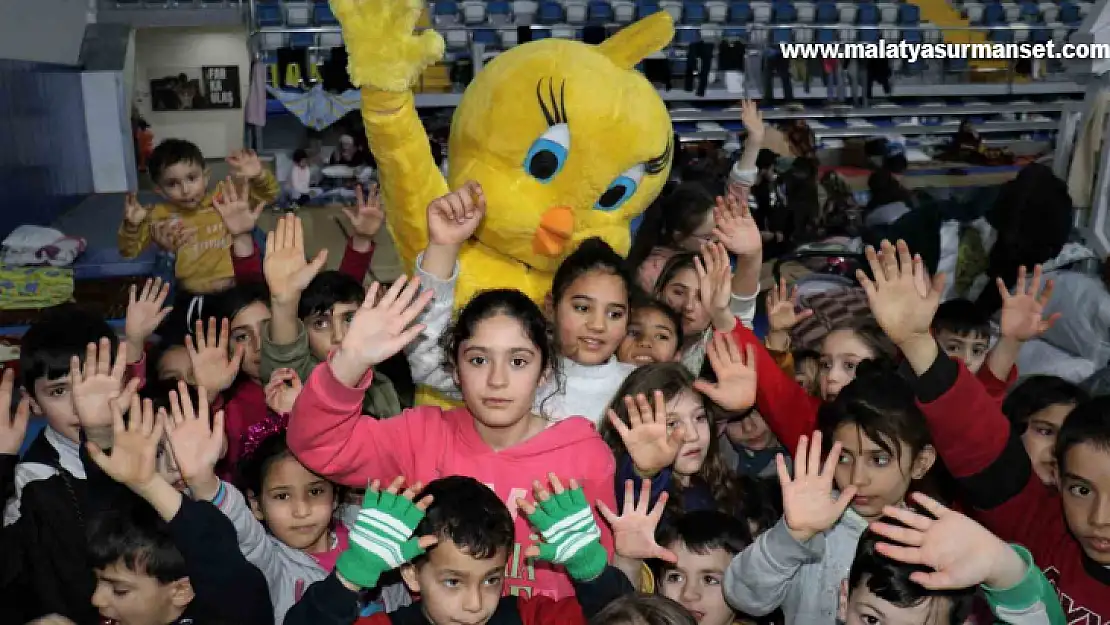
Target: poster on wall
[207,88]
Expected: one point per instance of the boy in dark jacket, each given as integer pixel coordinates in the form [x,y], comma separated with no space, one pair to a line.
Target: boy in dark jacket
[468,535]
[45,572]
[161,558]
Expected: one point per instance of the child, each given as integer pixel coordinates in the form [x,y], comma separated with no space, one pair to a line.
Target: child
[230,362]
[749,446]
[179,174]
[880,445]
[588,307]
[672,439]
[704,543]
[707,294]
[641,609]
[654,332]
[499,350]
[929,569]
[46,569]
[300,179]
[161,558]
[1036,409]
[311,311]
[455,557]
[963,331]
[1065,529]
[690,216]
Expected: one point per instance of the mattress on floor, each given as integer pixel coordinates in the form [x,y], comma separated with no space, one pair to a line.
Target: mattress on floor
[97,263]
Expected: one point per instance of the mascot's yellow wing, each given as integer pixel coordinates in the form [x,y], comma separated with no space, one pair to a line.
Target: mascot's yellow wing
[407,174]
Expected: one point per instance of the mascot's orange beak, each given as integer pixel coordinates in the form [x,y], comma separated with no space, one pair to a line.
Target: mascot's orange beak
[553,235]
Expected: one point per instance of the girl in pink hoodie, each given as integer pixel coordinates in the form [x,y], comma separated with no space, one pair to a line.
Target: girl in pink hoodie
[499,352]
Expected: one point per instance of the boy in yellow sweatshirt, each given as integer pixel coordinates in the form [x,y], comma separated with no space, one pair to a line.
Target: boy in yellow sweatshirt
[188,223]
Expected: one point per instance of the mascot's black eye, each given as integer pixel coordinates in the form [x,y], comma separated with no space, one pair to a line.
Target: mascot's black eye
[620,190]
[548,154]
[611,196]
[543,164]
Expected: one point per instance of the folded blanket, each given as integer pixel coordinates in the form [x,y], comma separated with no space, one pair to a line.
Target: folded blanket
[35,245]
[24,288]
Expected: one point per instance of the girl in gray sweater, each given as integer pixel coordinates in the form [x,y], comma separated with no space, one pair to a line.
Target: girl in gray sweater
[877,443]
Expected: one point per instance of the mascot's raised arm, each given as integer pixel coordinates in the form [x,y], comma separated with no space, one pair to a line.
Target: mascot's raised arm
[568,140]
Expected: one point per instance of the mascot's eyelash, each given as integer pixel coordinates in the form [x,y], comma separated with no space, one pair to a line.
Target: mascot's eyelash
[556,113]
[659,163]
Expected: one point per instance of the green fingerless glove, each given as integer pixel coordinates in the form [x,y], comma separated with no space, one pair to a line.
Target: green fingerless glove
[381,540]
[571,535]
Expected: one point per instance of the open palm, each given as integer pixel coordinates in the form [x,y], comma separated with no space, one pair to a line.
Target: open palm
[1023,311]
[714,277]
[808,504]
[634,529]
[651,443]
[234,206]
[735,226]
[896,294]
[287,271]
[736,385]
[98,383]
[196,439]
[133,458]
[782,308]
[382,328]
[213,368]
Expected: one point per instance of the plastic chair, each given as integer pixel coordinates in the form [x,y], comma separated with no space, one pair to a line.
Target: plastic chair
[826,13]
[487,37]
[499,12]
[445,12]
[268,15]
[624,11]
[473,12]
[1001,36]
[716,11]
[549,13]
[867,14]
[297,13]
[686,36]
[993,15]
[1069,14]
[599,12]
[909,14]
[869,35]
[783,13]
[739,12]
[302,40]
[322,15]
[524,12]
[826,35]
[645,8]
[693,13]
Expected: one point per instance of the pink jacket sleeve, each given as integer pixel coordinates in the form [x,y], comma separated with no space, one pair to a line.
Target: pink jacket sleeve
[331,437]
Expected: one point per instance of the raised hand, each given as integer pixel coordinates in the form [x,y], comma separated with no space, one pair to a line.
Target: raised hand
[234,206]
[386,54]
[782,308]
[570,533]
[134,213]
[245,164]
[12,427]
[282,390]
[651,443]
[367,216]
[901,300]
[286,270]
[214,368]
[1023,311]
[381,540]
[715,284]
[98,384]
[634,529]
[134,454]
[453,218]
[752,120]
[145,312]
[196,440]
[961,552]
[171,234]
[735,227]
[381,327]
[735,388]
[807,501]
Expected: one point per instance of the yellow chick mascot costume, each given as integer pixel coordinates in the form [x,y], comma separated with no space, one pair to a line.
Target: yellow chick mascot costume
[568,140]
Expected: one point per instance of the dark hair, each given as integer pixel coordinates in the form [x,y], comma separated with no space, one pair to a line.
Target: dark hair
[867,330]
[1089,423]
[469,514]
[134,536]
[299,155]
[169,153]
[253,467]
[60,334]
[674,264]
[890,581]
[766,159]
[641,609]
[896,163]
[880,403]
[760,502]
[669,219]
[227,304]
[326,290]
[510,303]
[158,392]
[592,255]
[702,531]
[1036,393]
[672,379]
[885,189]
[962,318]
[805,354]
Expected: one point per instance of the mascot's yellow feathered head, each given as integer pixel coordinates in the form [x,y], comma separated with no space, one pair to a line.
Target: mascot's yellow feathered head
[568,139]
